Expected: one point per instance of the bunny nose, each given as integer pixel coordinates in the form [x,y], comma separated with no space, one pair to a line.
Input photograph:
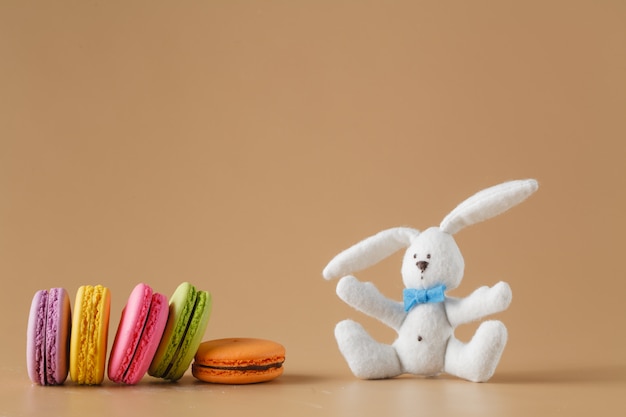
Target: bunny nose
[422,265]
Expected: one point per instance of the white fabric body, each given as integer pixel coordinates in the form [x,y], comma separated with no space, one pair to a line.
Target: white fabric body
[425,343]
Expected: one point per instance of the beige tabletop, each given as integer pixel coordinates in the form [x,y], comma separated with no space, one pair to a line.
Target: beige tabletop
[240,145]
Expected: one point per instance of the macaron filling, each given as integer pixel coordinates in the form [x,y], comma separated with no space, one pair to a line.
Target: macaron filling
[243,368]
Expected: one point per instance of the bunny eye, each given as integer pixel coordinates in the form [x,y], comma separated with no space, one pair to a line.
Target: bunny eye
[428,256]
[415,256]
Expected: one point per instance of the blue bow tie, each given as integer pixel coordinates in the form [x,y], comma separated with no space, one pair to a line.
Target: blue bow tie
[413,297]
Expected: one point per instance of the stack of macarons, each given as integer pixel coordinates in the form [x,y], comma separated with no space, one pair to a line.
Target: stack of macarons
[153,335]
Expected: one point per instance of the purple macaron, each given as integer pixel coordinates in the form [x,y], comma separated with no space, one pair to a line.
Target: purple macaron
[48,335]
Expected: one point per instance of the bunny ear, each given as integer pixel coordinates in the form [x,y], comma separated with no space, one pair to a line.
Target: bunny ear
[369,251]
[488,203]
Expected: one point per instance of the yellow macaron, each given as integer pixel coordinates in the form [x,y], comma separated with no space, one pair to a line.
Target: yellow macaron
[90,327]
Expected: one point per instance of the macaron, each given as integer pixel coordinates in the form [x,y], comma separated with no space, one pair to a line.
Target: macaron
[189,312]
[138,335]
[90,327]
[238,361]
[47,338]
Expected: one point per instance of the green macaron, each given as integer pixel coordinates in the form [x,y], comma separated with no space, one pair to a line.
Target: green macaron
[189,312]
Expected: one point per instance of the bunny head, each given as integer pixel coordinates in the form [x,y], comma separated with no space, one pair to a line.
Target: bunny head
[432,257]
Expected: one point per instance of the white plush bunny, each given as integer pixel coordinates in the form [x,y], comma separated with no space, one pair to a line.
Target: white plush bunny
[425,321]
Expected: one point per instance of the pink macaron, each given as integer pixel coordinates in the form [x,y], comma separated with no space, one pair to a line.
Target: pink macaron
[138,335]
[48,335]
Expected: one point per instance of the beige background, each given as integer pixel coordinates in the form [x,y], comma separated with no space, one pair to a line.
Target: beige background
[241,145]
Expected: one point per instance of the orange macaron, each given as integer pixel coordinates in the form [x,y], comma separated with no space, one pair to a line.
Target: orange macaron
[238,361]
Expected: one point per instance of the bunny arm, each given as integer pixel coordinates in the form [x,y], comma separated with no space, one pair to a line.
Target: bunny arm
[482,302]
[366,298]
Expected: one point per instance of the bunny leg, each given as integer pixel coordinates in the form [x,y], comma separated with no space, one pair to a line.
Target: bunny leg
[366,358]
[477,360]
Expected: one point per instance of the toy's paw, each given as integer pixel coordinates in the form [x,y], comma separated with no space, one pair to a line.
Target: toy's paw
[477,360]
[500,296]
[366,358]
[496,298]
[350,289]
[346,283]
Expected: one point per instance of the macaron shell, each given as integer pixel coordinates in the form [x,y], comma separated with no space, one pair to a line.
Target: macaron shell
[100,338]
[152,332]
[195,332]
[181,306]
[129,331]
[35,337]
[90,326]
[217,361]
[58,323]
[78,340]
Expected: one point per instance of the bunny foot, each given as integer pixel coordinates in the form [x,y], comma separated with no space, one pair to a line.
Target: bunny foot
[367,358]
[477,360]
